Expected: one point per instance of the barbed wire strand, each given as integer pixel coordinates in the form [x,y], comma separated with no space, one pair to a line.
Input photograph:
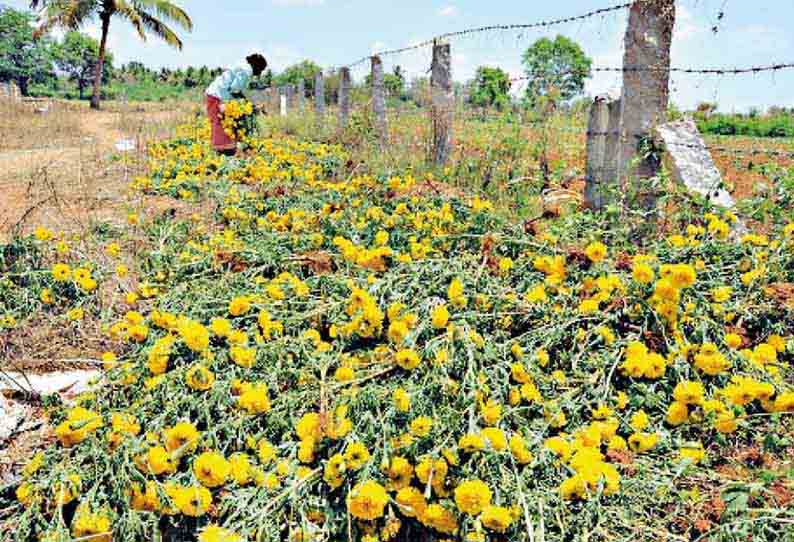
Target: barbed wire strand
[492,28]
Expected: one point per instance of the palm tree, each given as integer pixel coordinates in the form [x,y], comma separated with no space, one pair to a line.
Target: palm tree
[144,15]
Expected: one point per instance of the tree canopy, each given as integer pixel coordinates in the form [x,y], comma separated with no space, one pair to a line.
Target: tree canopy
[305,70]
[23,58]
[145,16]
[490,88]
[556,69]
[77,55]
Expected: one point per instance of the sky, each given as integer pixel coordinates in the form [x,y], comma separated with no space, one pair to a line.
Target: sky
[338,32]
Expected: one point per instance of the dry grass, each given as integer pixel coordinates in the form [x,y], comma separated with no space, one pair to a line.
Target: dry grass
[61,168]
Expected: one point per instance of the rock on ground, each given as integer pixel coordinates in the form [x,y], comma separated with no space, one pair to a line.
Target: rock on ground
[690,161]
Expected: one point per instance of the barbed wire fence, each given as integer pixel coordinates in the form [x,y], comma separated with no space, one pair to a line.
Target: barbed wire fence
[645,80]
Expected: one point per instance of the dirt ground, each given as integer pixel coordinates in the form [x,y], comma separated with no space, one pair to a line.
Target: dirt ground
[63,170]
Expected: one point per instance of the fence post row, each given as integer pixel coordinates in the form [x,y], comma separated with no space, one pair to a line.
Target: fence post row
[442,102]
[379,99]
[319,99]
[646,85]
[344,97]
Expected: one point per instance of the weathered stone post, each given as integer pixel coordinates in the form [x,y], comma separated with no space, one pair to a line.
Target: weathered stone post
[595,147]
[379,99]
[289,92]
[344,97]
[274,99]
[612,144]
[319,99]
[646,86]
[301,95]
[442,102]
[602,151]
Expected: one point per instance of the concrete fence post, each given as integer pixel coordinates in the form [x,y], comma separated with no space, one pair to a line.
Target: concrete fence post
[274,99]
[344,97]
[379,99]
[289,92]
[646,87]
[319,99]
[301,95]
[596,148]
[603,146]
[442,102]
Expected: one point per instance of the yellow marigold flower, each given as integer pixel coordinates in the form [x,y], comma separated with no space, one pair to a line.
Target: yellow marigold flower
[195,335]
[421,426]
[596,251]
[182,436]
[402,401]
[639,420]
[517,351]
[61,272]
[242,356]
[407,359]
[491,412]
[495,437]
[199,378]
[725,422]
[677,413]
[265,451]
[440,317]
[643,442]
[733,340]
[505,265]
[367,500]
[617,443]
[43,234]
[642,273]
[356,455]
[694,453]
[254,399]
[721,294]
[239,305]
[542,357]
[309,426]
[160,461]
[439,518]
[26,494]
[400,473]
[193,501]
[518,447]
[602,412]
[536,295]
[221,327]
[398,331]
[689,392]
[212,469]
[76,314]
[472,496]
[411,502]
[216,533]
[496,518]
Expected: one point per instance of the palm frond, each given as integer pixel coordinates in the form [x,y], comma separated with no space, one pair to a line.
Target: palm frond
[161,30]
[166,10]
[128,11]
[68,14]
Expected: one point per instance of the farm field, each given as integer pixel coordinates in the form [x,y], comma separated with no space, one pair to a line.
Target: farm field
[327,339]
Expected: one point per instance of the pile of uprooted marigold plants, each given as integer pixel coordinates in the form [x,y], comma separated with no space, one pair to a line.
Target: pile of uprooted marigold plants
[324,355]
